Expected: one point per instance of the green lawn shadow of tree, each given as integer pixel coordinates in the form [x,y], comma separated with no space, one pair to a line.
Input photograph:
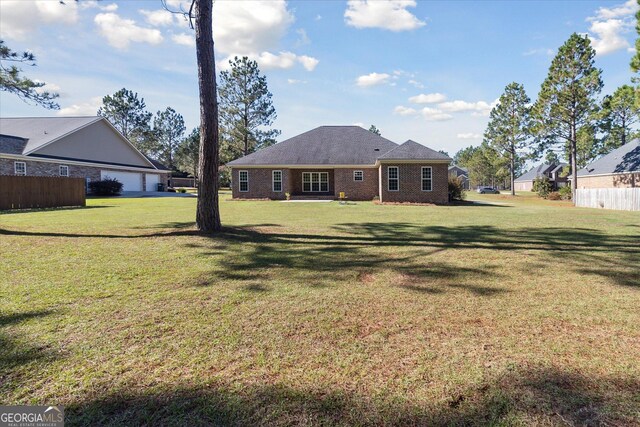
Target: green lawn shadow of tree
[518,396]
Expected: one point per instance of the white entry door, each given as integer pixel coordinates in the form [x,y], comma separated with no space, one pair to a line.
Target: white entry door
[131,181]
[151,181]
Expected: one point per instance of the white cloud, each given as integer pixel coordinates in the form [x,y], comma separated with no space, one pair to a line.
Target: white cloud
[416,84]
[88,108]
[295,82]
[19,19]
[434,114]
[120,32]
[428,98]
[372,79]
[268,60]
[404,111]
[628,8]
[184,39]
[48,87]
[469,135]
[539,51]
[609,25]
[386,14]
[303,38]
[158,18]
[308,62]
[480,108]
[607,35]
[249,27]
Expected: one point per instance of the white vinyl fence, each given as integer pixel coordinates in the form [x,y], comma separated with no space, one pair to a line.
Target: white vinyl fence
[626,199]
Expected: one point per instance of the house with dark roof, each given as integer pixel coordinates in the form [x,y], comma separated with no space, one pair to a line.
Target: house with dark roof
[553,171]
[462,174]
[618,169]
[330,160]
[77,147]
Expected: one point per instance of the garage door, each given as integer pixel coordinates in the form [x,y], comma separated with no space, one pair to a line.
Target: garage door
[131,181]
[152,180]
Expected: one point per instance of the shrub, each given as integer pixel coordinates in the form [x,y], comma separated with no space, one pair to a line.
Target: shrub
[181,190]
[565,193]
[456,189]
[542,186]
[105,187]
[224,177]
[554,195]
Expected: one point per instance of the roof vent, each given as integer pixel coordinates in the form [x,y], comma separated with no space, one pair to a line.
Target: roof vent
[45,132]
[376,149]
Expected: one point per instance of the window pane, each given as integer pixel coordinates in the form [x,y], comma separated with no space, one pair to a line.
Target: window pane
[358,175]
[393,172]
[426,173]
[393,185]
[324,177]
[324,186]
[306,186]
[306,177]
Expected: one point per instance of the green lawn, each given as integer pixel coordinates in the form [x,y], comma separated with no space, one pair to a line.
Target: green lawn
[526,312]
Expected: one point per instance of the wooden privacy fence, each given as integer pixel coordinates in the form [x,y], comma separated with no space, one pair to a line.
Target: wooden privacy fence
[626,199]
[27,192]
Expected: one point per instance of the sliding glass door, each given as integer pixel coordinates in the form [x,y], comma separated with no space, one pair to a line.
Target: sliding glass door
[315,182]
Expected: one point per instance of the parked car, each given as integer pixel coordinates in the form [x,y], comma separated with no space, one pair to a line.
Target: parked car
[487,190]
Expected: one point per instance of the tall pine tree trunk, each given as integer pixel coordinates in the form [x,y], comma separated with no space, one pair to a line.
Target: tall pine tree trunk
[574,169]
[207,213]
[512,173]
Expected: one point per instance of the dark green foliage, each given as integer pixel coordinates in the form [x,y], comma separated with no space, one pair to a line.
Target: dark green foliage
[224,177]
[188,153]
[565,193]
[12,80]
[619,115]
[542,186]
[375,130]
[567,98]
[508,131]
[127,113]
[168,128]
[105,187]
[246,108]
[456,189]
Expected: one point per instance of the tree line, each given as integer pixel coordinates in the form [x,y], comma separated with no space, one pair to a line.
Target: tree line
[566,122]
[245,111]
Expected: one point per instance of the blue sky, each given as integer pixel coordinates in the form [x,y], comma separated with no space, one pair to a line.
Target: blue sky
[427,71]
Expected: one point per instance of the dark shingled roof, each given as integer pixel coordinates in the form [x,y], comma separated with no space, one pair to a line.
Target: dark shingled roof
[539,171]
[623,159]
[12,144]
[411,150]
[324,145]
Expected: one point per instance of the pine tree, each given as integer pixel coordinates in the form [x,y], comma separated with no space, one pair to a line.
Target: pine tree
[12,80]
[246,107]
[168,128]
[127,113]
[188,153]
[567,99]
[508,131]
[619,113]
[374,129]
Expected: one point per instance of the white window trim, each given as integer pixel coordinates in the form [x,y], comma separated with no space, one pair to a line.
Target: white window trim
[319,182]
[361,176]
[397,179]
[240,181]
[273,181]
[66,168]
[15,168]
[422,180]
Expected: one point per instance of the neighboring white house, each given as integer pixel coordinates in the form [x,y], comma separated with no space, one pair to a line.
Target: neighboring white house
[79,147]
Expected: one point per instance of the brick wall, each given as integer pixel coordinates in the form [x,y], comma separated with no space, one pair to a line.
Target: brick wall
[366,189]
[627,180]
[260,184]
[35,168]
[410,184]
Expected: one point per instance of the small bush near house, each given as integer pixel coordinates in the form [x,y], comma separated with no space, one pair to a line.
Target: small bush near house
[456,189]
[542,186]
[554,195]
[565,193]
[105,187]
[181,190]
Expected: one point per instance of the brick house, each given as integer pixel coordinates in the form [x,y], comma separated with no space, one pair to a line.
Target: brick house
[76,147]
[328,160]
[618,169]
[552,171]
